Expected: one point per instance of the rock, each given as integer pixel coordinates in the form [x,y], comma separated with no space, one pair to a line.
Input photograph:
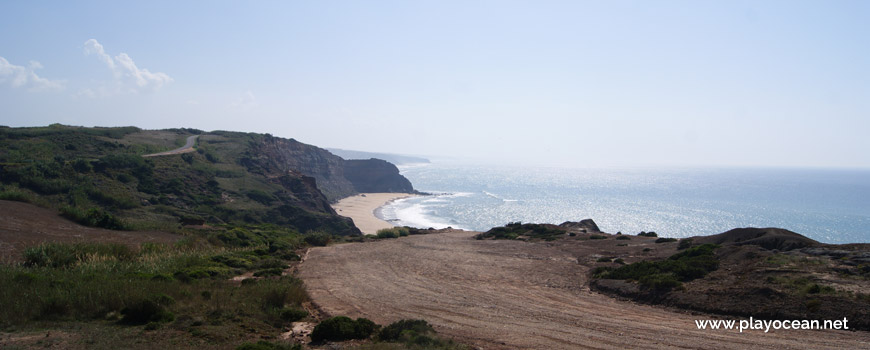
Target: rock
[585,225]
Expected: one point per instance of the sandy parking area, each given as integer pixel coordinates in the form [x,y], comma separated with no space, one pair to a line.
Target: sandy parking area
[515,295]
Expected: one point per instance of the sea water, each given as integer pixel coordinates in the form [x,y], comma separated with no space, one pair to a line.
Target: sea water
[831,206]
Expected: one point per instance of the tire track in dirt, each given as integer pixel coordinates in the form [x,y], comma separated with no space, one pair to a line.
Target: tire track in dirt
[510,295]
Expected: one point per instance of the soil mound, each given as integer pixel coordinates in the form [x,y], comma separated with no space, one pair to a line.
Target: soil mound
[767,238]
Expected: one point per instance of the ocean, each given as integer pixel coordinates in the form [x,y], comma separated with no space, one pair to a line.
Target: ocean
[831,206]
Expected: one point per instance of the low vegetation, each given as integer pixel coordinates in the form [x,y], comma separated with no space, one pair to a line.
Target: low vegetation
[98,177]
[403,334]
[185,286]
[667,274]
[393,232]
[521,231]
[341,328]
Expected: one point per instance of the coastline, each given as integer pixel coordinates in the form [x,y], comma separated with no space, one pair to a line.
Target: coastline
[361,208]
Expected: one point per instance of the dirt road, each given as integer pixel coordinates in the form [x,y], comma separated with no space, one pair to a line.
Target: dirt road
[514,295]
[187,148]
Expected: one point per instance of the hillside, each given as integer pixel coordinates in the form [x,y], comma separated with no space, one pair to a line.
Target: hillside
[98,177]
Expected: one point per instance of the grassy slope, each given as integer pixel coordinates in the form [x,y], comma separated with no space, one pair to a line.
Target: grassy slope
[182,295]
[78,170]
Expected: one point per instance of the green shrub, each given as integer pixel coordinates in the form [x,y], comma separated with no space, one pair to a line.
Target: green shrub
[239,237]
[293,314]
[647,234]
[318,239]
[622,237]
[14,196]
[343,328]
[394,331]
[145,311]
[597,237]
[387,233]
[666,240]
[603,259]
[269,272]
[93,217]
[685,243]
[82,166]
[685,266]
[233,261]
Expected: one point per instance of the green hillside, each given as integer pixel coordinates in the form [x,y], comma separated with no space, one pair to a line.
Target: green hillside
[98,177]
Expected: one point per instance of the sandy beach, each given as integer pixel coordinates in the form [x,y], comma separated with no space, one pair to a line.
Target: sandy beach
[361,208]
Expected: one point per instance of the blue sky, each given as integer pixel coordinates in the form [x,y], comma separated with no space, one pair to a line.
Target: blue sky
[562,83]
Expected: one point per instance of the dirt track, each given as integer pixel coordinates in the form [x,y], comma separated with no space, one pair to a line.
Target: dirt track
[187,148]
[512,295]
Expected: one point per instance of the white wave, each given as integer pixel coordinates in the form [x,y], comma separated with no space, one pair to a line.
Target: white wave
[418,212]
[499,197]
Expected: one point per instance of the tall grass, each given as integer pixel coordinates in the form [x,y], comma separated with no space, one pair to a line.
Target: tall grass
[96,281]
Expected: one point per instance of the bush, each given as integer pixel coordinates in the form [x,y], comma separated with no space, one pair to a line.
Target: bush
[647,234]
[343,328]
[622,238]
[386,233]
[597,237]
[394,331]
[685,244]
[666,240]
[603,259]
[293,314]
[514,230]
[93,217]
[318,239]
[145,311]
[690,264]
[14,196]
[239,237]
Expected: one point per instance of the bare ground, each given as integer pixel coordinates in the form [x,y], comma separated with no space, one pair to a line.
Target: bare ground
[24,225]
[512,295]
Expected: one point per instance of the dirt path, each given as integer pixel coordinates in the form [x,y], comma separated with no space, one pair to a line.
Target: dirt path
[187,148]
[511,295]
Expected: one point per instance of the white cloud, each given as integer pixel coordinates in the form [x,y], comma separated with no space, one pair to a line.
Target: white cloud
[25,77]
[247,101]
[128,76]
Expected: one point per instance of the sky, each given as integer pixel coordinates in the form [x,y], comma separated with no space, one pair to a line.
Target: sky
[552,83]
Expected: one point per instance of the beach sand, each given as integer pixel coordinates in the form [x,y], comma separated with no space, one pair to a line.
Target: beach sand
[361,208]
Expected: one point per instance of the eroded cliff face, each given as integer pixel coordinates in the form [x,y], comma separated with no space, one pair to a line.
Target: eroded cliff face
[335,177]
[326,168]
[375,175]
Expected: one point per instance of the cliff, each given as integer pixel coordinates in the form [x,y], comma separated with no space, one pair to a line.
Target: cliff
[290,155]
[335,177]
[375,175]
